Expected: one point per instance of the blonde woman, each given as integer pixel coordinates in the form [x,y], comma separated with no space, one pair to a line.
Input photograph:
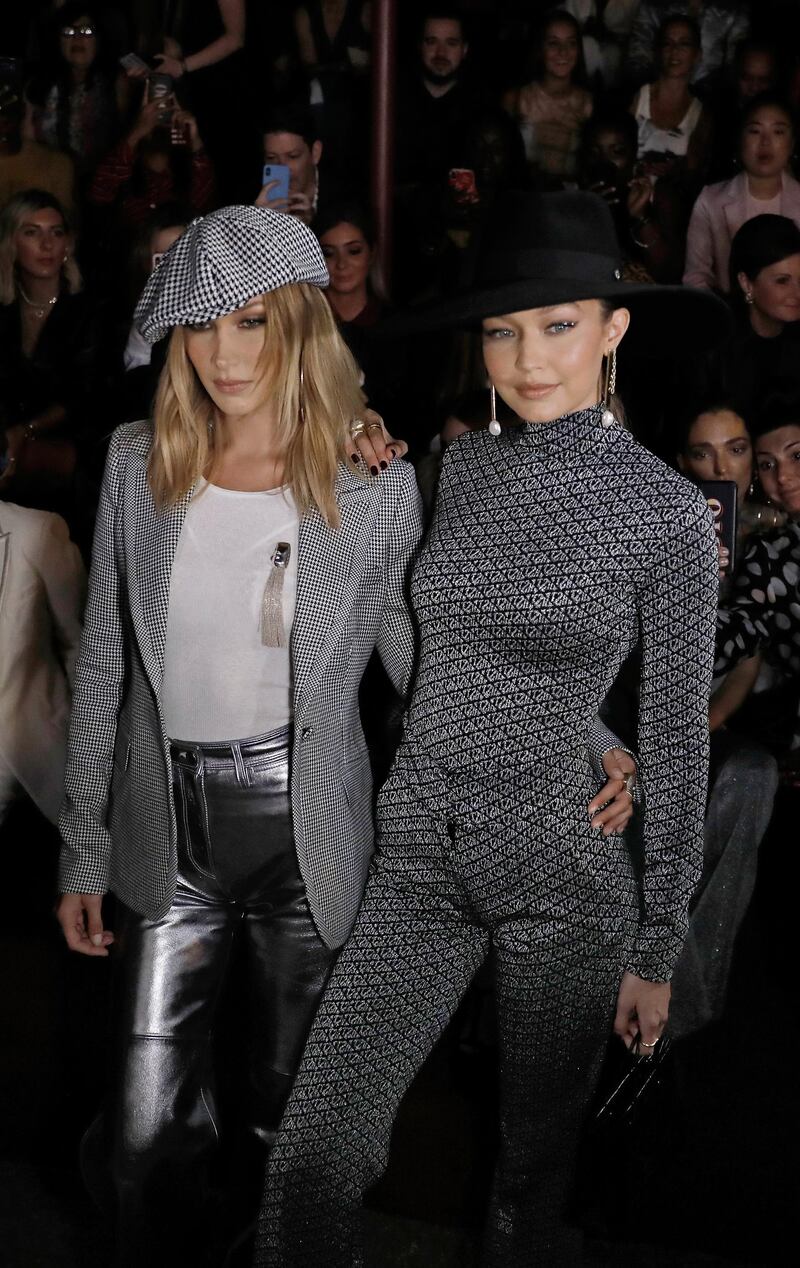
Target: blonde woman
[248,559]
[48,344]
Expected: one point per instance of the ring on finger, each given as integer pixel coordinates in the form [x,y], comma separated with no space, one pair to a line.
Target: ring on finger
[374,426]
[357,428]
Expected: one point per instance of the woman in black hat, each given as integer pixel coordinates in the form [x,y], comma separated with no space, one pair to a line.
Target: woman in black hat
[247,562]
[556,547]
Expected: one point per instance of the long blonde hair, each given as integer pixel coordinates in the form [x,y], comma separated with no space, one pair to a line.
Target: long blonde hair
[27,203]
[314,381]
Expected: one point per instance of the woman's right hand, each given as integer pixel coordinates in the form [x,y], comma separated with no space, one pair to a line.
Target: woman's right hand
[81,920]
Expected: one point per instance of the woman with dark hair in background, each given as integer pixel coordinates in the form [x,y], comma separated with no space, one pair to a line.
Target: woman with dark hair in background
[765,294]
[648,216]
[765,186]
[346,236]
[81,96]
[161,160]
[49,349]
[553,107]
[674,129]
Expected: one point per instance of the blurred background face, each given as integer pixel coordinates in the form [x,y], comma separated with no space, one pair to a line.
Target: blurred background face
[767,142]
[608,146]
[294,152]
[776,289]
[678,51]
[348,256]
[442,48]
[778,466]
[77,48]
[756,74]
[41,244]
[560,50]
[719,448]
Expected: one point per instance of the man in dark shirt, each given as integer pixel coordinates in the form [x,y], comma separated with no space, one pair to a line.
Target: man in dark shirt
[435,100]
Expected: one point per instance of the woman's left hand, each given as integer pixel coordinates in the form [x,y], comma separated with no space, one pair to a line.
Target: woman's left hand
[642,1011]
[168,65]
[373,443]
[615,796]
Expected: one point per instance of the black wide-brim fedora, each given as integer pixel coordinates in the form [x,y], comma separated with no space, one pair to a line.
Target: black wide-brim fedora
[538,250]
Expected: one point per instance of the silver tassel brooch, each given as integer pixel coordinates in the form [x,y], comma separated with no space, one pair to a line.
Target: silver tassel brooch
[273,631]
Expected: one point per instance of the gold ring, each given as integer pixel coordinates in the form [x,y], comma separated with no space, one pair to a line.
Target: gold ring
[357,428]
[374,426]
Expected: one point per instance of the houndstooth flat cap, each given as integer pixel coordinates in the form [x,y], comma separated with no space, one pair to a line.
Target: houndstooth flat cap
[221,261]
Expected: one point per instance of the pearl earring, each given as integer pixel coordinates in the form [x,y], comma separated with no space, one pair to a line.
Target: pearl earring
[609,418]
[494,426]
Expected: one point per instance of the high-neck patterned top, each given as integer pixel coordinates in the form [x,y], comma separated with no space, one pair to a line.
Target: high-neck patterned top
[555,549]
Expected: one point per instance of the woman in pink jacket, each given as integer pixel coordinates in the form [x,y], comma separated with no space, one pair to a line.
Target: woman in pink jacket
[765,186]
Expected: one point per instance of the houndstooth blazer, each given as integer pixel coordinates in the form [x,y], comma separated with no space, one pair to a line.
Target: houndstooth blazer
[118,820]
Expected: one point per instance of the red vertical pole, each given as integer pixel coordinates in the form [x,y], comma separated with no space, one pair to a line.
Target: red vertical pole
[384,63]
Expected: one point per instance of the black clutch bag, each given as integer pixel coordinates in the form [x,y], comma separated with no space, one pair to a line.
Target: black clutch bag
[631,1082]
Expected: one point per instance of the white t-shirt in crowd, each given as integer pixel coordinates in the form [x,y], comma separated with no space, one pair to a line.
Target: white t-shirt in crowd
[220,681]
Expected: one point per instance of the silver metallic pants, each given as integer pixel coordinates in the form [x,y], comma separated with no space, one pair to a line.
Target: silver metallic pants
[238,878]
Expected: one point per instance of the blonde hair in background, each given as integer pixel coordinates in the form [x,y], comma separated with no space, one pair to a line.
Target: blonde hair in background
[300,337]
[27,203]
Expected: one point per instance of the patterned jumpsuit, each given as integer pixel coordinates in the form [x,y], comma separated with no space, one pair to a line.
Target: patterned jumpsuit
[553,550]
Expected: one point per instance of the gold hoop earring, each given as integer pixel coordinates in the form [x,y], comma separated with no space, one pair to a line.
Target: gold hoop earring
[494,426]
[609,388]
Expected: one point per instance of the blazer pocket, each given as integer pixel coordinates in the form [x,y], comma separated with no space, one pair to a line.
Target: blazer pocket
[357,781]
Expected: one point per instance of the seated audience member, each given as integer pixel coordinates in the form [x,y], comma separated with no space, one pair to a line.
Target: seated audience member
[143,361]
[764,186]
[605,28]
[49,347]
[649,217]
[674,129]
[42,589]
[762,613]
[754,73]
[290,140]
[347,242]
[161,160]
[765,281]
[723,24]
[200,45]
[76,91]
[552,109]
[24,163]
[436,97]
[716,446]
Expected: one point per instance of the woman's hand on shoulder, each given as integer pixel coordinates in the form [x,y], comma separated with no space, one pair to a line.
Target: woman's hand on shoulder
[81,920]
[642,1011]
[612,808]
[372,442]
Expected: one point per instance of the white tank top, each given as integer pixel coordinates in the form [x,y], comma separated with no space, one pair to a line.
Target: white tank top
[221,681]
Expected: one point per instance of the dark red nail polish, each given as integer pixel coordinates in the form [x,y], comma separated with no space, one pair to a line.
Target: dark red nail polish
[374,470]
[354,456]
[384,465]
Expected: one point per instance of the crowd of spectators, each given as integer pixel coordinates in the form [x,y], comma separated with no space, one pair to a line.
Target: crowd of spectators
[119,123]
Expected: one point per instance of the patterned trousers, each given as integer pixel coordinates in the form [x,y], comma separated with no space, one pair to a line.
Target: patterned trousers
[444,888]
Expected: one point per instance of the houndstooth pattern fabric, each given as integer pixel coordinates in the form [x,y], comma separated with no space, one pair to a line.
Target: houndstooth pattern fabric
[221,261]
[575,544]
[118,820]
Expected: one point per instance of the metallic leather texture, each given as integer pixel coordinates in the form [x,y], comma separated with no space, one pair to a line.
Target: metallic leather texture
[238,877]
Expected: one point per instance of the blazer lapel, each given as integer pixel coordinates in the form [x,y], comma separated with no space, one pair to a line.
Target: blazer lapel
[151,538]
[329,567]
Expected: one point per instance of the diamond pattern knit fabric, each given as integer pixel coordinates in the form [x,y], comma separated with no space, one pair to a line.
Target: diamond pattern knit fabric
[553,552]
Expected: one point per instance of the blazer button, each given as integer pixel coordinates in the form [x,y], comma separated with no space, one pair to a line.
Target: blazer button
[306,731]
